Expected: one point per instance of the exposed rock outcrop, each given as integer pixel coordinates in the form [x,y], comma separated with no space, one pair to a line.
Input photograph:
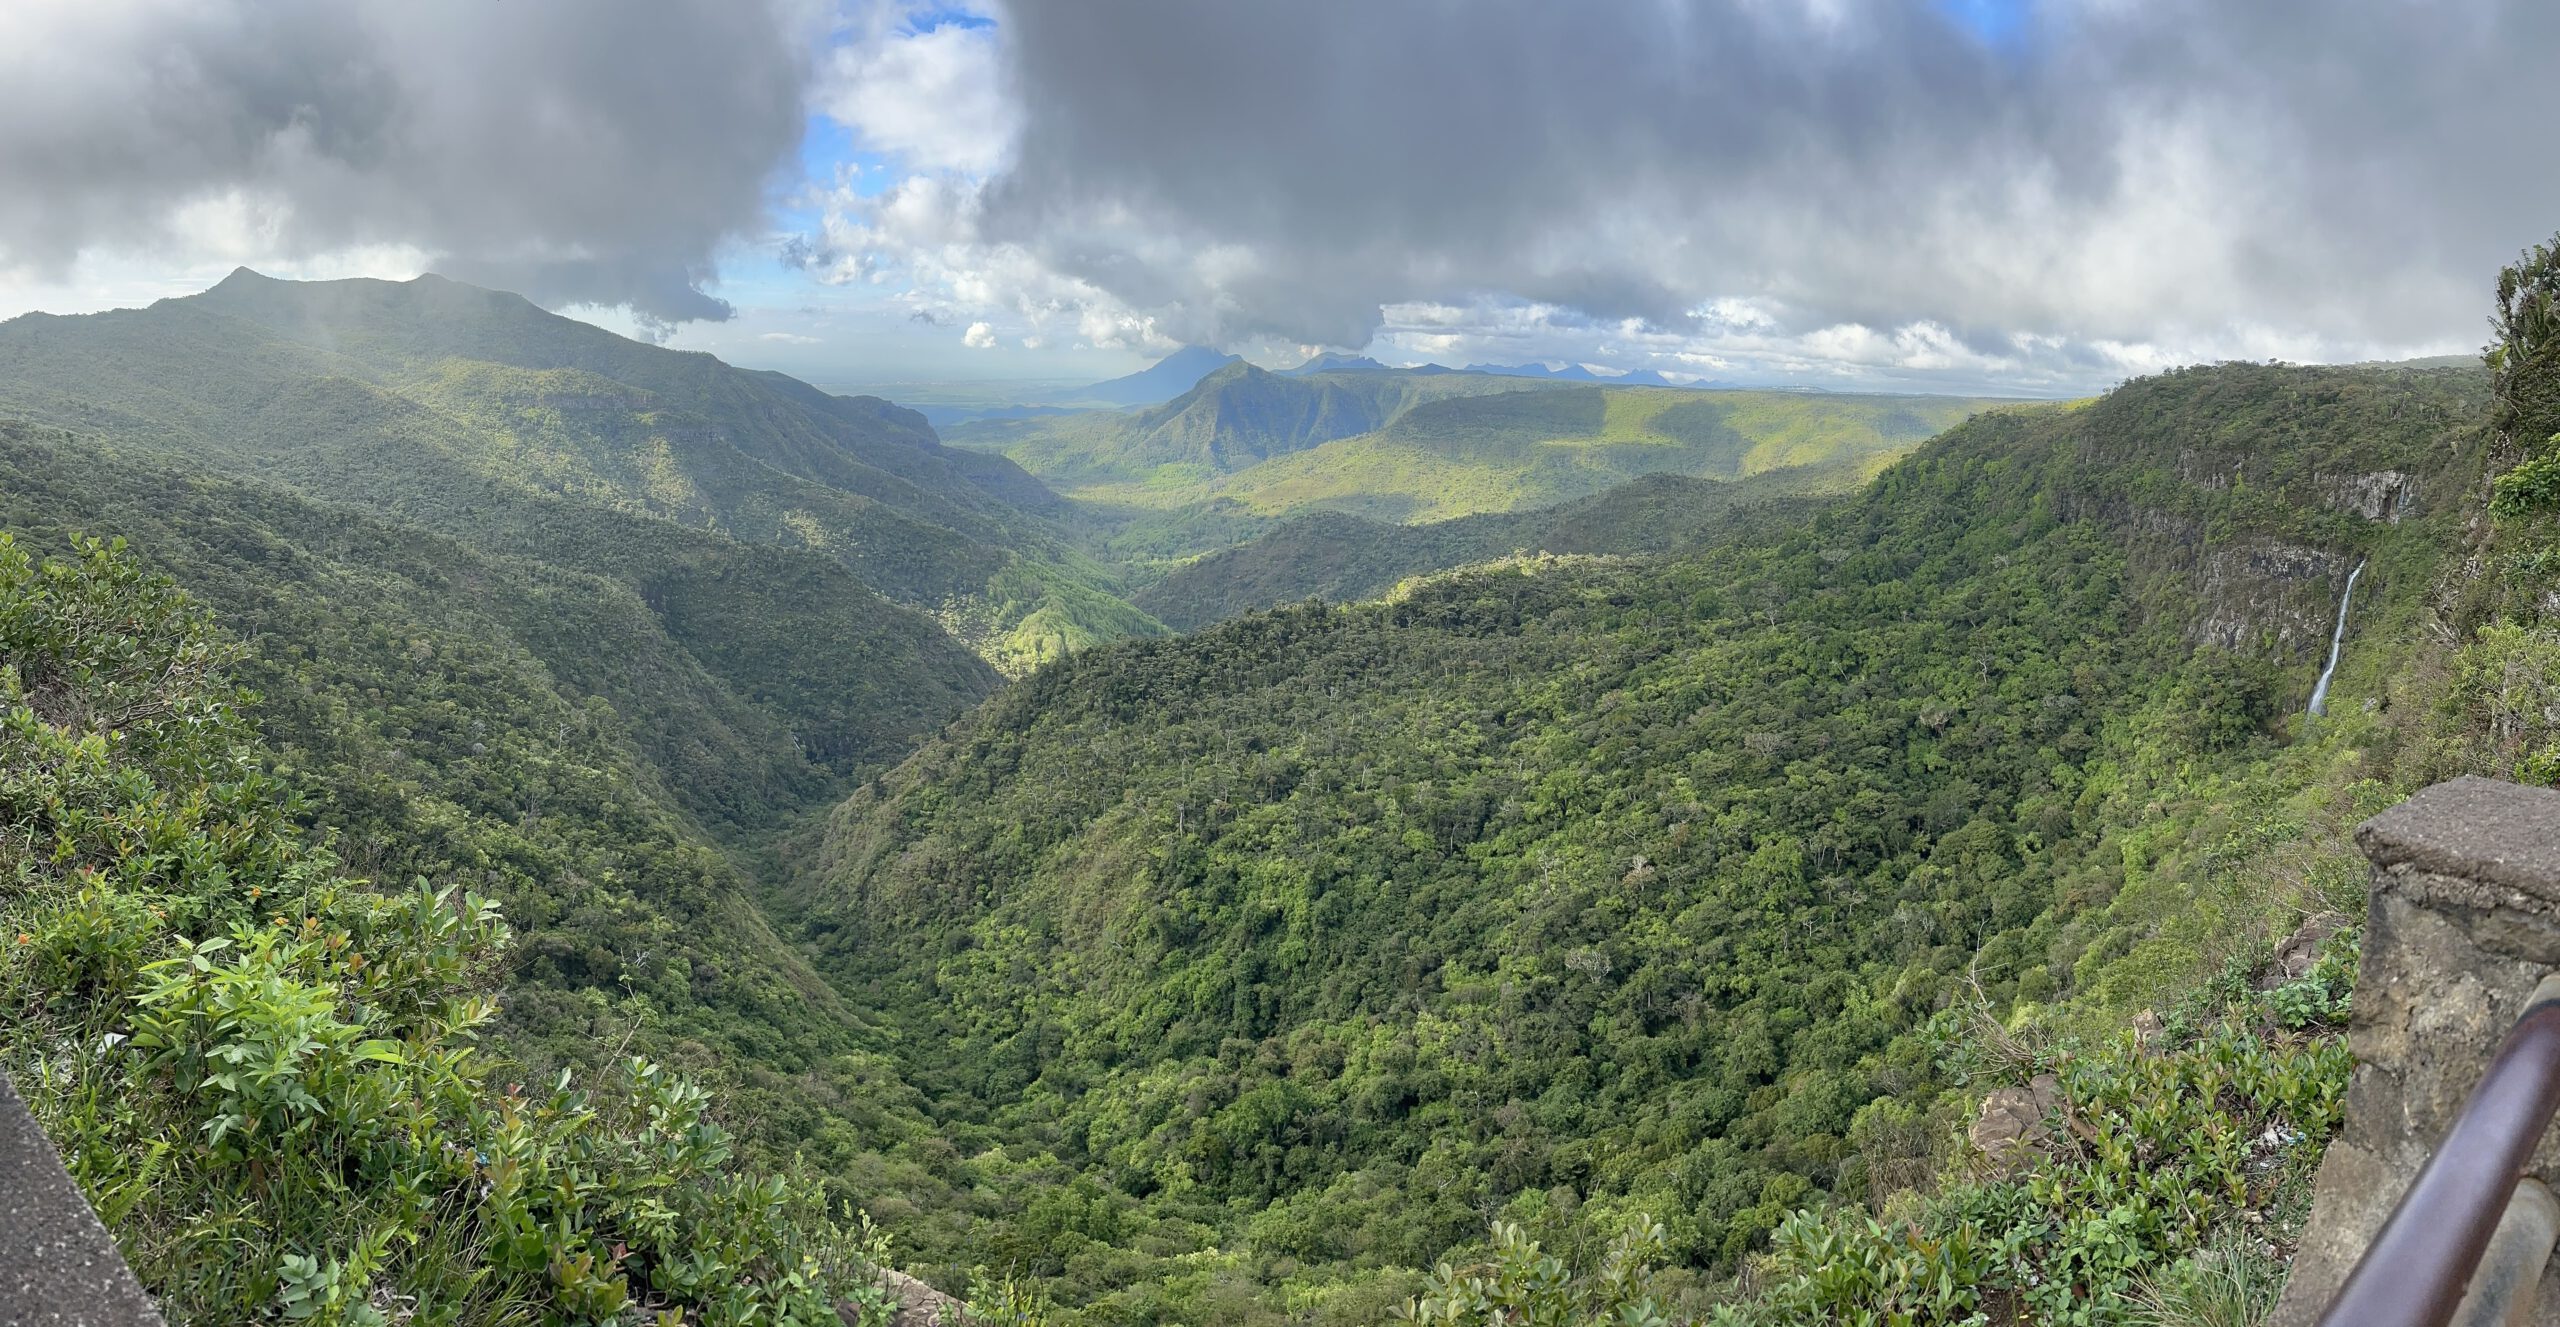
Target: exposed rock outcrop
[2012,1132]
[2382,495]
[920,1305]
[2297,953]
[2267,592]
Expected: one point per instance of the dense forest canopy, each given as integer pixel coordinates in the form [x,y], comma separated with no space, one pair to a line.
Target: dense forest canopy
[1638,889]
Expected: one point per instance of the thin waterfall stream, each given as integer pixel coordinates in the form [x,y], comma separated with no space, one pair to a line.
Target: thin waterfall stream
[2337,639]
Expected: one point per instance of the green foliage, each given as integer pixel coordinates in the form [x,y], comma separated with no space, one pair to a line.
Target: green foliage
[539,739]
[1572,892]
[2524,363]
[271,1078]
[1524,1285]
[1343,558]
[2157,1154]
[2232,1282]
[2501,712]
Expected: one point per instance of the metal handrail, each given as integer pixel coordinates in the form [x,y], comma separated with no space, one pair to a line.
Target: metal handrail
[2414,1272]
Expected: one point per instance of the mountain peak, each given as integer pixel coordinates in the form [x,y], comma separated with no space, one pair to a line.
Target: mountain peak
[1234,370]
[243,278]
[1161,381]
[1337,363]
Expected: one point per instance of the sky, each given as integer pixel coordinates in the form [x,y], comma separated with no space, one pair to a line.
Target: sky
[1002,196]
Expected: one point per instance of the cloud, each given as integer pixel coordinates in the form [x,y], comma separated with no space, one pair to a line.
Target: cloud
[931,94]
[980,336]
[578,151]
[923,233]
[1871,182]
[787,338]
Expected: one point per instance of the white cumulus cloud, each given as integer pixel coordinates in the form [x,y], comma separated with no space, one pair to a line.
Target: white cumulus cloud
[931,94]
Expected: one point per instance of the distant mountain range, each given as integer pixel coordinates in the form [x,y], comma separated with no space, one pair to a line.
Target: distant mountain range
[1352,364]
[1234,418]
[1403,446]
[1184,369]
[1580,373]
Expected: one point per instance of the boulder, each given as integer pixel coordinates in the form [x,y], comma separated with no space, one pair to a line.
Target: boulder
[919,1305]
[2011,1131]
[2297,953]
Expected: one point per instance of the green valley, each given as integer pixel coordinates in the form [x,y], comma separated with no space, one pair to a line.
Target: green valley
[1419,446]
[1580,894]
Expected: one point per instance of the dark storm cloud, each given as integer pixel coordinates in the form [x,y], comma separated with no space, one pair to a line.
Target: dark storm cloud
[574,150]
[2106,170]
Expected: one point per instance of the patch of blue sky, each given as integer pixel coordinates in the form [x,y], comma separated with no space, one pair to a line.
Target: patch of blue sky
[946,16]
[1995,23]
[829,158]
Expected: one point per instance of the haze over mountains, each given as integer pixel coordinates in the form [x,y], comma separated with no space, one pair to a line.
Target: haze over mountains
[1179,372]
[476,413]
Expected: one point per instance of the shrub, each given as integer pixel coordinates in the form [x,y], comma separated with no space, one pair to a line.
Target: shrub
[272,1079]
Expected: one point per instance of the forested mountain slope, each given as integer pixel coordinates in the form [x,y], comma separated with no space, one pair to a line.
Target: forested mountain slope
[1343,558]
[1573,892]
[543,733]
[602,763]
[475,414]
[1239,977]
[298,1094]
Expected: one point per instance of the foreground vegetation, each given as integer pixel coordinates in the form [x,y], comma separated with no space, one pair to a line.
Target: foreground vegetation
[271,1078]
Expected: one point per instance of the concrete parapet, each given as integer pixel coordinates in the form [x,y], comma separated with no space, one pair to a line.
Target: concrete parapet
[2463,921]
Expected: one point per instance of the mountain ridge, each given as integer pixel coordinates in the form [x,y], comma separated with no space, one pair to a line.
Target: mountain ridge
[1161,381]
[467,408]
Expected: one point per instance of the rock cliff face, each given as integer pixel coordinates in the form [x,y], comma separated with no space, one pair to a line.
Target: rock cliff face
[2381,495]
[919,1305]
[2265,594]
[2246,496]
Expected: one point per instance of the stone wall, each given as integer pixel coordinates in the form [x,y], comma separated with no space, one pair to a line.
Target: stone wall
[2464,921]
[58,1266]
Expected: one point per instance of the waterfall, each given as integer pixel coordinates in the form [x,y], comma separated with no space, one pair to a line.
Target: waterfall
[2337,638]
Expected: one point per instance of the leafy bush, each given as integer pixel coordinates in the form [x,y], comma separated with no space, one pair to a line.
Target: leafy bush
[1524,1286]
[2155,1155]
[271,1078]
